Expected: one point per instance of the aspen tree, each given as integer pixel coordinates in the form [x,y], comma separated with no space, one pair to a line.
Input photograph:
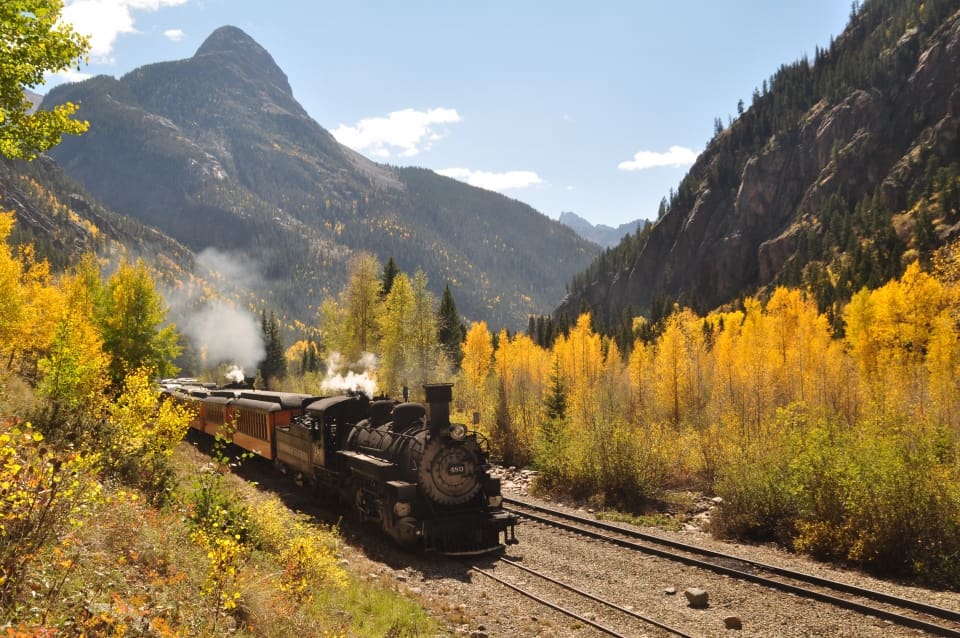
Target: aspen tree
[476,364]
[34,41]
[394,326]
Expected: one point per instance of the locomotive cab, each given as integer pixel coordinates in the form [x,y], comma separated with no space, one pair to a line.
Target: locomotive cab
[307,445]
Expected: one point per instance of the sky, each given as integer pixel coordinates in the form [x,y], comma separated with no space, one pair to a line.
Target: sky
[594,107]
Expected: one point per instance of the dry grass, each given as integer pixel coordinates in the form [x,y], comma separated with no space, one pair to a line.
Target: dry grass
[135,570]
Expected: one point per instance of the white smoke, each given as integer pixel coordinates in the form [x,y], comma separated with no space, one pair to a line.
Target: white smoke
[238,271]
[343,376]
[223,333]
[235,374]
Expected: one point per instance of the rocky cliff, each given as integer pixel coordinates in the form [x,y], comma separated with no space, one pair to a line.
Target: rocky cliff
[856,132]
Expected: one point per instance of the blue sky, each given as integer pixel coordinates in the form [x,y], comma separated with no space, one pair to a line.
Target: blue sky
[598,108]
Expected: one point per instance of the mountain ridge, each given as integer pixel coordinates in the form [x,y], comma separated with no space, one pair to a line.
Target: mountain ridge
[606,236]
[215,151]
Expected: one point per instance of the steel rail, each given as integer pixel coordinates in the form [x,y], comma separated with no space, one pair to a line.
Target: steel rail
[602,601]
[897,618]
[568,612]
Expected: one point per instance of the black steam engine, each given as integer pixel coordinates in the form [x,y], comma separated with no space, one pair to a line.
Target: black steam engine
[404,466]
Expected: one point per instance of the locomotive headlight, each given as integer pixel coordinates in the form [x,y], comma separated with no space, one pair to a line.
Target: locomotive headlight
[495,501]
[458,432]
[402,508]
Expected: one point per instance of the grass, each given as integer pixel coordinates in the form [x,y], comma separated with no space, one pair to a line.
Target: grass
[670,522]
[135,570]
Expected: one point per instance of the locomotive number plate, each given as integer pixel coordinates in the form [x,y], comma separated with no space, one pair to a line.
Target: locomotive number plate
[456,469]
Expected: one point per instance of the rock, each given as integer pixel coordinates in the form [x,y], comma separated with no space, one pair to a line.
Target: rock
[732,622]
[696,597]
[717,500]
[670,591]
[478,634]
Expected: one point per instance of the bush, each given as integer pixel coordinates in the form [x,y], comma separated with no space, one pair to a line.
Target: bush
[141,434]
[759,498]
[44,493]
[882,495]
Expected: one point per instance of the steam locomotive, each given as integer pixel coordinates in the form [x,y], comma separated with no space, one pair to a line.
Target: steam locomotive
[402,465]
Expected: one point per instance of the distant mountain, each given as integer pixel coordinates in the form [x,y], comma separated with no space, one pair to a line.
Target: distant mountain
[602,234]
[215,151]
[840,172]
[35,99]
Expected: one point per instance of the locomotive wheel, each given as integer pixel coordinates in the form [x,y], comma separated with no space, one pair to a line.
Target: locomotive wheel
[448,471]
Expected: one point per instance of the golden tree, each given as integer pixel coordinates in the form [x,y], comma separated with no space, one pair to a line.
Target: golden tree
[476,365]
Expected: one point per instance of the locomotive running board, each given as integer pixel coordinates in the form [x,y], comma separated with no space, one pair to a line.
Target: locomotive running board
[370,467]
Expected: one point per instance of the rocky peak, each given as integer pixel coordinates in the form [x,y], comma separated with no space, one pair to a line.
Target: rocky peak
[240,49]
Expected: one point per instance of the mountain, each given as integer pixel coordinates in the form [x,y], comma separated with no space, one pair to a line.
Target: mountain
[839,173]
[63,221]
[602,234]
[215,151]
[35,99]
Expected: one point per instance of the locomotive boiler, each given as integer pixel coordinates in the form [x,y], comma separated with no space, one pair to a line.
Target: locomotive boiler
[424,478]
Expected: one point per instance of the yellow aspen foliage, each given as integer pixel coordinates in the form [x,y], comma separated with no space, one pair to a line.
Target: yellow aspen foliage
[683,366]
[888,330]
[728,392]
[477,364]
[38,319]
[294,353]
[523,370]
[943,370]
[946,264]
[394,327]
[642,375]
[755,362]
[580,359]
[801,339]
[74,369]
[11,291]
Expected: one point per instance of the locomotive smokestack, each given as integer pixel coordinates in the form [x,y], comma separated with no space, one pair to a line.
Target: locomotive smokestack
[439,396]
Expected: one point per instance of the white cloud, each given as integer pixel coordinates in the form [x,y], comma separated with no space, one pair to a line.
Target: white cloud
[676,157]
[493,181]
[105,20]
[72,75]
[174,34]
[407,131]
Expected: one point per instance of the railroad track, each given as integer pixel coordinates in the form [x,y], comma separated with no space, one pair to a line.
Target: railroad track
[627,616]
[905,612]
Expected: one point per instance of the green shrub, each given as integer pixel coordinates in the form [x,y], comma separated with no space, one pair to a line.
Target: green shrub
[883,495]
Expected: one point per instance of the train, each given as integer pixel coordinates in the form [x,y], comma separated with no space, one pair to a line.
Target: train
[402,465]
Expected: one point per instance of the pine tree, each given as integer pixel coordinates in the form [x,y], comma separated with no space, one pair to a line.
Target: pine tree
[451,328]
[556,401]
[390,272]
[274,365]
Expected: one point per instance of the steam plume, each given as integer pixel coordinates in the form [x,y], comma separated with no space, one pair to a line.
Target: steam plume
[342,377]
[226,334]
